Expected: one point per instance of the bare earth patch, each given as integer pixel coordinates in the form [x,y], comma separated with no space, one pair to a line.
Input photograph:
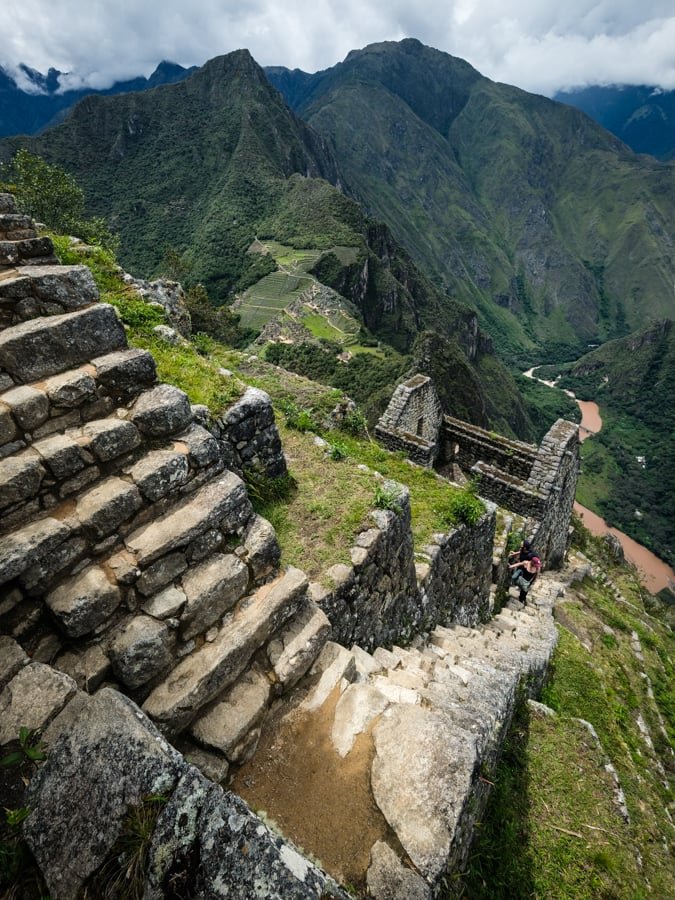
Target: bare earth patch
[322,802]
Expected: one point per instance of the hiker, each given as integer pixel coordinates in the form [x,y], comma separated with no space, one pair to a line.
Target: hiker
[528,570]
[518,557]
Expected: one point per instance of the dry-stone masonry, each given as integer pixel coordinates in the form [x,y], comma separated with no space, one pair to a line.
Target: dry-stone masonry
[538,483]
[135,573]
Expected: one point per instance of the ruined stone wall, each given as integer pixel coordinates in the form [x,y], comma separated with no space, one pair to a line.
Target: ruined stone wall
[555,474]
[455,577]
[465,444]
[383,598]
[508,491]
[412,420]
[249,437]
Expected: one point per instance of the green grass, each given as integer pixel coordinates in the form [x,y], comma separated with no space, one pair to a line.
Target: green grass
[552,776]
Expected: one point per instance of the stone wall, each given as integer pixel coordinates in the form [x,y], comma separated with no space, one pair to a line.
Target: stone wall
[412,420]
[464,444]
[537,483]
[455,577]
[249,437]
[383,598]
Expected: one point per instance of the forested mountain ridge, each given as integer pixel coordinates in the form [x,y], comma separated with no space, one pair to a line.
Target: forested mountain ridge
[209,166]
[629,467]
[551,227]
[643,116]
[41,102]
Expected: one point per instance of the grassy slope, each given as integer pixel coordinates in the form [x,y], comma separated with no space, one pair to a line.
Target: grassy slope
[553,829]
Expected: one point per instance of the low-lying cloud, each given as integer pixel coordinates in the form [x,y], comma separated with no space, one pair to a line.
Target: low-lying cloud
[538,45]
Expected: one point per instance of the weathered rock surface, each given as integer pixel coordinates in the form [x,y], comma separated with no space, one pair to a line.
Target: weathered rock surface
[211,589]
[161,410]
[297,646]
[21,549]
[34,696]
[84,601]
[223,503]
[106,762]
[43,347]
[389,879]
[201,676]
[141,651]
[227,722]
[12,658]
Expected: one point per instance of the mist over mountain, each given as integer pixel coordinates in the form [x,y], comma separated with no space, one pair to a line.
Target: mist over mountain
[642,116]
[31,101]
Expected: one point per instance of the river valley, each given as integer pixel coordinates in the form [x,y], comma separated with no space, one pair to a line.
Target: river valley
[655,574]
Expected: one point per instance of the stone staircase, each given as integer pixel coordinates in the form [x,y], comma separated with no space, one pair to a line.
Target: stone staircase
[437,713]
[130,554]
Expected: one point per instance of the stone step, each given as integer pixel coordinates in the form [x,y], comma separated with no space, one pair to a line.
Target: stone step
[25,546]
[15,226]
[44,290]
[43,347]
[205,673]
[297,646]
[33,411]
[221,504]
[31,251]
[232,723]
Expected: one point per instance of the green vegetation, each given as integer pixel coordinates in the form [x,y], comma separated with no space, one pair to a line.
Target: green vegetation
[50,195]
[628,472]
[553,827]
[122,876]
[19,873]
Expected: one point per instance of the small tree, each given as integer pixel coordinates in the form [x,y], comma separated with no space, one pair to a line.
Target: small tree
[52,196]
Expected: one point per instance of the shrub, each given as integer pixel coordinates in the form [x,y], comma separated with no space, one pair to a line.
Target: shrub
[387,496]
[463,506]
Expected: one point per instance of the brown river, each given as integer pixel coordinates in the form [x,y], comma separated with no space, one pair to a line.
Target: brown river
[655,574]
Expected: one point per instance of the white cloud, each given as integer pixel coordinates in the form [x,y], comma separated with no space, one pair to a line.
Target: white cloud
[537,44]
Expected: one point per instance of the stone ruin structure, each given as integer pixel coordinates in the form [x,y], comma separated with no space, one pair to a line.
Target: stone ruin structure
[149,631]
[538,483]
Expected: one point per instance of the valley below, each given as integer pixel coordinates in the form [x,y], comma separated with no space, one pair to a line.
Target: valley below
[655,574]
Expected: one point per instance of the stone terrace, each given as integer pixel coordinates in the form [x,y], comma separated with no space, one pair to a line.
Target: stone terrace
[131,559]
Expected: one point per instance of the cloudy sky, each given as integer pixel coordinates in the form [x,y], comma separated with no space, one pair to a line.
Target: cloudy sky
[539,45]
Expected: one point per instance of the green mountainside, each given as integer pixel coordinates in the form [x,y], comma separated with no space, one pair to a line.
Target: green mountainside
[217,167]
[520,206]
[628,471]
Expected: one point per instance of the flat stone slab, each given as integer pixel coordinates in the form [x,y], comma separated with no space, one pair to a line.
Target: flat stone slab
[357,707]
[29,406]
[21,549]
[227,722]
[161,410]
[159,472]
[211,589]
[389,879]
[104,507]
[201,676]
[20,478]
[107,761]
[70,287]
[108,438]
[125,372]
[84,601]
[340,666]
[46,346]
[421,778]
[12,658]
[35,695]
[298,645]
[222,503]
